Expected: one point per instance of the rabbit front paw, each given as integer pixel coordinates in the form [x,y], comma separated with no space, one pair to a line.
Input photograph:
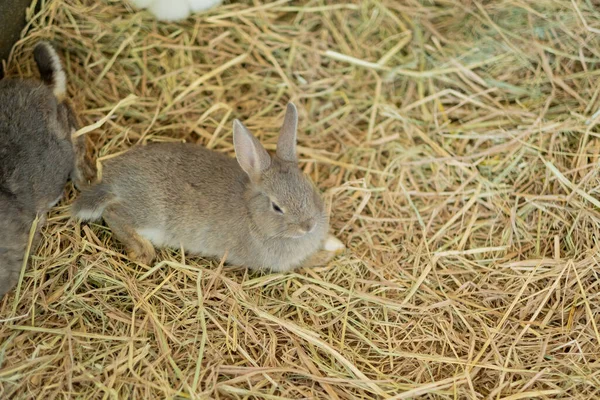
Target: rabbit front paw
[333,245]
[331,248]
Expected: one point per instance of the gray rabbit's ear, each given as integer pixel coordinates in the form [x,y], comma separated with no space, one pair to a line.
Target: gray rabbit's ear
[250,154]
[286,145]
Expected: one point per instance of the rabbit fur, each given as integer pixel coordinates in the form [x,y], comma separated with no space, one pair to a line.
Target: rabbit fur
[37,156]
[175,10]
[260,210]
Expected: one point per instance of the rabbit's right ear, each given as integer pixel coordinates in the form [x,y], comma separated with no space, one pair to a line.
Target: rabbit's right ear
[286,145]
[250,154]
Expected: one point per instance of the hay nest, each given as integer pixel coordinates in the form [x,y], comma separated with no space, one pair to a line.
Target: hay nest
[457,145]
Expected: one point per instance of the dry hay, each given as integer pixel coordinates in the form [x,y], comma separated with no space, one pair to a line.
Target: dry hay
[457,144]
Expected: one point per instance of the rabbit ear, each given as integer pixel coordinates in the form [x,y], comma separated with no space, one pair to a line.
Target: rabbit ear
[286,145]
[251,155]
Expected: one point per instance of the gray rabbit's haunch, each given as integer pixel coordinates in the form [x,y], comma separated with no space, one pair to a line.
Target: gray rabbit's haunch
[260,210]
[37,156]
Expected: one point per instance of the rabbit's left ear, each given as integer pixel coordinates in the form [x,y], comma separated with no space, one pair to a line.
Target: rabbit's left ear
[286,145]
[251,155]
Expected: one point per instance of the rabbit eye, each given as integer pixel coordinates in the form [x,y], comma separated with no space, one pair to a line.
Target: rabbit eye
[276,208]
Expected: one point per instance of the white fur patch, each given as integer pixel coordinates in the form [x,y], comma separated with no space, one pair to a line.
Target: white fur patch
[89,214]
[333,245]
[154,235]
[59,77]
[170,10]
[174,10]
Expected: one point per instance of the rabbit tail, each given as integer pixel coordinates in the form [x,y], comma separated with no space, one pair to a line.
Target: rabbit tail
[51,69]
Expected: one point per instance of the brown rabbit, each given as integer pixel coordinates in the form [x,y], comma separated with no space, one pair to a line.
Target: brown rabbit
[260,210]
[37,156]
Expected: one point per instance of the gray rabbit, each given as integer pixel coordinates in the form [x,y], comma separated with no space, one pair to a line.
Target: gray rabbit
[37,156]
[260,210]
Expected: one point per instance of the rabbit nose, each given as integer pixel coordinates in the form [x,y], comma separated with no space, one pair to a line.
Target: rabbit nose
[308,226]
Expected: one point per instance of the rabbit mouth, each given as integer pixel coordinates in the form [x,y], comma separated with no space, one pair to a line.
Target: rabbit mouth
[298,235]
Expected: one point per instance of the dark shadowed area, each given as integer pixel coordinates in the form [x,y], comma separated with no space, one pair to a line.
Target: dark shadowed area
[12,21]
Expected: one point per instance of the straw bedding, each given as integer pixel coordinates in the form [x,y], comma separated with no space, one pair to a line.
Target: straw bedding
[456,143]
